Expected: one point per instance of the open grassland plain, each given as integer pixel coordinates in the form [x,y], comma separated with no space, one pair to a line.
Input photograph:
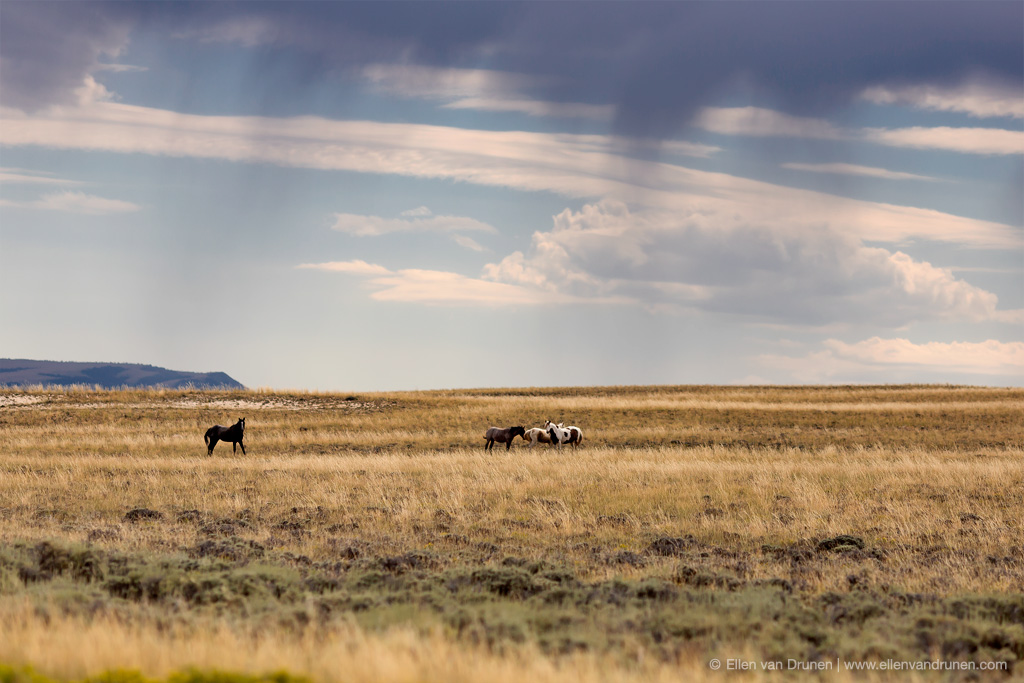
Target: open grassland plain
[370,537]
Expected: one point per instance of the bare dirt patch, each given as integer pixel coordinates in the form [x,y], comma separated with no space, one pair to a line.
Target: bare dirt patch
[283,403]
[14,400]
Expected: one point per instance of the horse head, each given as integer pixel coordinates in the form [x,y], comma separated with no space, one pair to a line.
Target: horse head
[517,431]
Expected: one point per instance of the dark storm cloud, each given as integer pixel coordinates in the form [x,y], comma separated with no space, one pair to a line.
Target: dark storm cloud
[47,48]
[658,62]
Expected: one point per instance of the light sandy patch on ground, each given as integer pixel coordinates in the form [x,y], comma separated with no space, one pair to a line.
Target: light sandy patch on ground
[59,401]
[242,404]
[7,400]
[279,403]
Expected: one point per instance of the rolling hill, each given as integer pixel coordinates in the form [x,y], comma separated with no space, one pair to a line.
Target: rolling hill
[23,372]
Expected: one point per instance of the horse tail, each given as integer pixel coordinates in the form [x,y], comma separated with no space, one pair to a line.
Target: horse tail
[206,436]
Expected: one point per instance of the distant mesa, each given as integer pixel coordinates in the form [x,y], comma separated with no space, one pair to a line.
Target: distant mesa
[20,372]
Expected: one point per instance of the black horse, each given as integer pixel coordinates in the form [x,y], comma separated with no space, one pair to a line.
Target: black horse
[234,434]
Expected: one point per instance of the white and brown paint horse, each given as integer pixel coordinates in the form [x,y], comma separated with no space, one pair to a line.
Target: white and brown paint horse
[536,436]
[560,434]
[504,436]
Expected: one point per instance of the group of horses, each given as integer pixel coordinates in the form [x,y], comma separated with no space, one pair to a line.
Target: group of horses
[554,434]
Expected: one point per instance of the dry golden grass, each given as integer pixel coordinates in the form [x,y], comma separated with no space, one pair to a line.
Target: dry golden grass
[72,648]
[541,504]
[931,478]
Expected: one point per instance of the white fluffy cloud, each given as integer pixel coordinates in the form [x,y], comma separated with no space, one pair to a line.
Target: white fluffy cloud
[440,288]
[414,220]
[427,82]
[803,276]
[30,177]
[468,243]
[608,253]
[573,165]
[477,89]
[356,267]
[568,110]
[989,357]
[965,140]
[981,100]
[839,359]
[757,122]
[857,170]
[687,239]
[76,202]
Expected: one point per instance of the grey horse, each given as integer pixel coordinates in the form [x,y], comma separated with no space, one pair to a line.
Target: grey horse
[504,436]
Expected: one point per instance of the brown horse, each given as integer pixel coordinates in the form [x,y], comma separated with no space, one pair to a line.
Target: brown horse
[234,434]
[504,436]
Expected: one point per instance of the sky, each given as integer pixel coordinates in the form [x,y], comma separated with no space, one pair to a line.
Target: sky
[358,196]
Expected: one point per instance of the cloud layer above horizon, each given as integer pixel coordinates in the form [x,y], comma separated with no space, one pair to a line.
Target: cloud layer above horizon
[834,177]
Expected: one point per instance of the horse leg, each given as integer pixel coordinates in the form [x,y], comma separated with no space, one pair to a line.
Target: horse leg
[242,445]
[234,446]
[508,444]
[213,442]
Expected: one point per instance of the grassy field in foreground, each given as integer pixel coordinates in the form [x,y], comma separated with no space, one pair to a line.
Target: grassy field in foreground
[370,537]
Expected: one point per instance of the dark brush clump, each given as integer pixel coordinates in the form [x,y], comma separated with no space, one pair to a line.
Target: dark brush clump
[507,601]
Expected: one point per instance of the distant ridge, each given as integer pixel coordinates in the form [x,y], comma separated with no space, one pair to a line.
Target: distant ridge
[21,372]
